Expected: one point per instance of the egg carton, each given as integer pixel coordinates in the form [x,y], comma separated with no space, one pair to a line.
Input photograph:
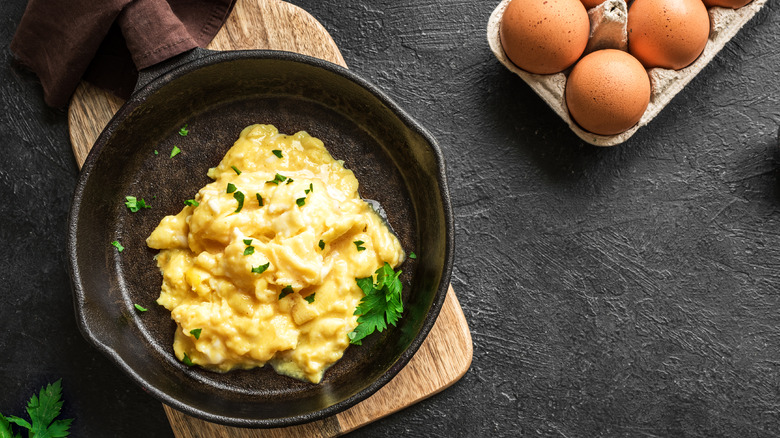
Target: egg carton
[665,83]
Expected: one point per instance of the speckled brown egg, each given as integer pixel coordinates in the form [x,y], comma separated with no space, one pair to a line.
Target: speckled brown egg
[667,33]
[733,4]
[592,3]
[607,92]
[544,36]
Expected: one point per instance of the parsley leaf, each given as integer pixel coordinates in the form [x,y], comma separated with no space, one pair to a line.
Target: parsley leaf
[196,333]
[118,246]
[175,151]
[239,196]
[184,131]
[301,201]
[259,199]
[381,304]
[286,291]
[277,152]
[134,204]
[358,245]
[43,409]
[231,188]
[321,244]
[191,203]
[412,255]
[310,299]
[140,308]
[277,179]
[155,152]
[260,269]
[235,169]
[187,361]
[310,189]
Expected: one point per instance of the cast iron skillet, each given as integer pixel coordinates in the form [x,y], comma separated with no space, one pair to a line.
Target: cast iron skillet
[217,94]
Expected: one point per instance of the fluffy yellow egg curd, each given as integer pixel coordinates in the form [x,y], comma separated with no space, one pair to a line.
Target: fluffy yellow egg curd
[261,267]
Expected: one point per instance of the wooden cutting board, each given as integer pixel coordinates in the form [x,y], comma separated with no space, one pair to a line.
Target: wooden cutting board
[446,354]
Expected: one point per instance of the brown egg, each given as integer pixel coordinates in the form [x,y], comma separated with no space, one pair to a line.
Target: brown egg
[544,36]
[733,4]
[607,92]
[592,3]
[667,33]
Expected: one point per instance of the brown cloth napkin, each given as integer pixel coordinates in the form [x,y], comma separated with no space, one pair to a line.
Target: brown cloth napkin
[107,41]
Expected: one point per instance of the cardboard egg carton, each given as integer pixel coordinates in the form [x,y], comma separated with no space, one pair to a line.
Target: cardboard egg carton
[665,84]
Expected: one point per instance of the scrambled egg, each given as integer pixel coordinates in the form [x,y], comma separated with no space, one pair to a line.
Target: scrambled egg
[263,268]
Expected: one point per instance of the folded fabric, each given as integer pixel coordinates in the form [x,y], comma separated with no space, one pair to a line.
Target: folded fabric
[106,42]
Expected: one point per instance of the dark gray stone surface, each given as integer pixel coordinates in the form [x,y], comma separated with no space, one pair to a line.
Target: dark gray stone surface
[629,291]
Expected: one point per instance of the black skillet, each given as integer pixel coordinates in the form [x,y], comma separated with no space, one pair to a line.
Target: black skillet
[217,94]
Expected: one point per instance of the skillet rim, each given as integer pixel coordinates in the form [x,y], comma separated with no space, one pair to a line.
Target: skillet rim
[205,58]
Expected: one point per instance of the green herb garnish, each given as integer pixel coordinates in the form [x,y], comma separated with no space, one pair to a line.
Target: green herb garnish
[381,304]
[277,179]
[321,244]
[134,204]
[235,169]
[310,298]
[175,151]
[286,291]
[187,361]
[412,255]
[184,131]
[231,188]
[43,409]
[191,203]
[196,333]
[310,189]
[118,246]
[249,249]
[260,269]
[301,201]
[140,308]
[277,152]
[239,196]
[259,199]
[358,245]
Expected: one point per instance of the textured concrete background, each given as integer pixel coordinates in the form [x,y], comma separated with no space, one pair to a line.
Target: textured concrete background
[631,291]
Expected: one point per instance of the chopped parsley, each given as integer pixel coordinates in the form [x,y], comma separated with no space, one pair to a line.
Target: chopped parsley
[191,203]
[310,189]
[235,169]
[239,196]
[277,179]
[134,204]
[196,333]
[277,152]
[175,151]
[412,255]
[118,246]
[321,244]
[259,199]
[231,188]
[184,131]
[140,308]
[310,298]
[260,269]
[249,248]
[301,201]
[286,291]
[187,361]
[359,245]
[289,180]
[156,153]
[381,304]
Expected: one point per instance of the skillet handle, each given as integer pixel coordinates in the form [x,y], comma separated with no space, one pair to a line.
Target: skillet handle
[149,74]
